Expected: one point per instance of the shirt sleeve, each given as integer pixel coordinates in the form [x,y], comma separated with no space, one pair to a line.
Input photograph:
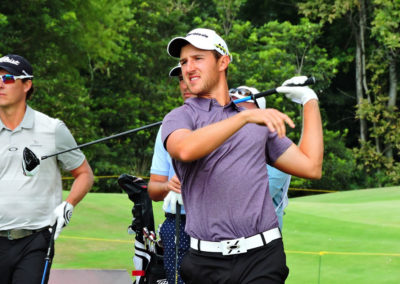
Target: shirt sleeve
[64,140]
[276,146]
[179,118]
[160,164]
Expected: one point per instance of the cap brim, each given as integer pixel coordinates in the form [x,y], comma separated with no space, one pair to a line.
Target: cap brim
[9,69]
[176,71]
[175,46]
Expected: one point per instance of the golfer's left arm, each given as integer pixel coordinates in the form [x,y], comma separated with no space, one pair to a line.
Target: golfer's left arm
[306,159]
[83,181]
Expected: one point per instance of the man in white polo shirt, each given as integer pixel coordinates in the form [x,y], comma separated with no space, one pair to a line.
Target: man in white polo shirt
[29,205]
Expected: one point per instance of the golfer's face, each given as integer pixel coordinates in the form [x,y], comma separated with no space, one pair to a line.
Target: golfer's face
[14,93]
[199,70]
[184,89]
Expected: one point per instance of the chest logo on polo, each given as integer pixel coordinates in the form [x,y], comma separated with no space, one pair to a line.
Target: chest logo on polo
[36,144]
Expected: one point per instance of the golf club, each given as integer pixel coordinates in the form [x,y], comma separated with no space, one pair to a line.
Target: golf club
[30,162]
[177,238]
[48,258]
[310,81]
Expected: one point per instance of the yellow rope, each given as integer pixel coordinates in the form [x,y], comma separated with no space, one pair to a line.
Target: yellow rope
[287,251]
[343,253]
[147,178]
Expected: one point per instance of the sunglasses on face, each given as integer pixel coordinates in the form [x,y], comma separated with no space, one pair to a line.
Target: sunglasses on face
[241,92]
[10,79]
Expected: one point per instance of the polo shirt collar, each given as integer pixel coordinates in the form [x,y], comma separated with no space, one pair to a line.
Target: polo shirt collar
[206,104]
[29,118]
[27,121]
[2,126]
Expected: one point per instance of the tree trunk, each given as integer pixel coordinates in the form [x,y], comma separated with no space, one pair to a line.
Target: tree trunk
[392,81]
[362,28]
[392,95]
[359,85]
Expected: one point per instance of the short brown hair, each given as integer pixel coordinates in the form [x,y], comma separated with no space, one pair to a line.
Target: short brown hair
[217,56]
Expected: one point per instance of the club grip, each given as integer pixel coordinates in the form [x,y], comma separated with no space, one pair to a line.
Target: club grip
[310,81]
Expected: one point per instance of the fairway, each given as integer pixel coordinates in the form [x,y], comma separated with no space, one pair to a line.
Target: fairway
[343,237]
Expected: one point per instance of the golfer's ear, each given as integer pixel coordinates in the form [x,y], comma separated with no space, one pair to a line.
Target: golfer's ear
[223,62]
[27,85]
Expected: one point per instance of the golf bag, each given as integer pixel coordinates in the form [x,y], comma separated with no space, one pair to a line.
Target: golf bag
[148,258]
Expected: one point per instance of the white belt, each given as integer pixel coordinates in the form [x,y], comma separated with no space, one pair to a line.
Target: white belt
[236,246]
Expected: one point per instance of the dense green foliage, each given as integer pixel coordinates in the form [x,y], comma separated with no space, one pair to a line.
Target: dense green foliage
[102,67]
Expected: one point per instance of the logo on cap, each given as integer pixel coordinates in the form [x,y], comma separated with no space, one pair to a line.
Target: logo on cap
[198,34]
[9,60]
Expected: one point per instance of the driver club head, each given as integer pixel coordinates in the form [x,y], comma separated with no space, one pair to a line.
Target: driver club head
[30,162]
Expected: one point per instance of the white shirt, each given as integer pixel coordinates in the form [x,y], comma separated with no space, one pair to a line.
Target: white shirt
[28,202]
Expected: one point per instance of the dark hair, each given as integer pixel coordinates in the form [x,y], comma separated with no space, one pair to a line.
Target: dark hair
[30,91]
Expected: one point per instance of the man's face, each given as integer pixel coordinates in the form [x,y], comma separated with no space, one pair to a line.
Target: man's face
[185,93]
[14,93]
[199,70]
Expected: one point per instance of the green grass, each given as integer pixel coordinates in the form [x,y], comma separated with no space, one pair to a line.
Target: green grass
[359,231]
[344,237]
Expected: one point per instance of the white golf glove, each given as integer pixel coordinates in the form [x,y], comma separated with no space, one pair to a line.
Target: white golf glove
[300,95]
[62,214]
[171,199]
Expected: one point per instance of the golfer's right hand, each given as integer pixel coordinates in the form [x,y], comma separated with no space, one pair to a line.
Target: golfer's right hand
[62,214]
[174,184]
[170,201]
[272,118]
[300,95]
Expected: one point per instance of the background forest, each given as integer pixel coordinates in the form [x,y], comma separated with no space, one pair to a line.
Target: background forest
[102,67]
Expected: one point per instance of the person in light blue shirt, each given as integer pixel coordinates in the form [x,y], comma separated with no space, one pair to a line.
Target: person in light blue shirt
[278,181]
[164,185]
[278,189]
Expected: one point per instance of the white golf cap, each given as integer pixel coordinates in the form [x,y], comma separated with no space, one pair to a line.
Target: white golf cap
[175,71]
[205,39]
[244,91]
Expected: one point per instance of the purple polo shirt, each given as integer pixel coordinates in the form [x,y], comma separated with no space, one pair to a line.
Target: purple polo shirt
[226,193]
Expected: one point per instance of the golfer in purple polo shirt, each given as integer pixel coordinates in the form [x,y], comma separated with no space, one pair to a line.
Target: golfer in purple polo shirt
[219,153]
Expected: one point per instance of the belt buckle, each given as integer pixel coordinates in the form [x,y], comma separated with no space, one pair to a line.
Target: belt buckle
[236,246]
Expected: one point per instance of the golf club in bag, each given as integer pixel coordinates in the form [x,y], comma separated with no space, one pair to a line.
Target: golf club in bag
[148,258]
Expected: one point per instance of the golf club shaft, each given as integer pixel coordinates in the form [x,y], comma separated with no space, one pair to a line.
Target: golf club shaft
[104,139]
[309,81]
[48,258]
[177,234]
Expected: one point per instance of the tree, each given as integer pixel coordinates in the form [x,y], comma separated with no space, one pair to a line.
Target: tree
[385,29]
[375,74]
[355,12]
